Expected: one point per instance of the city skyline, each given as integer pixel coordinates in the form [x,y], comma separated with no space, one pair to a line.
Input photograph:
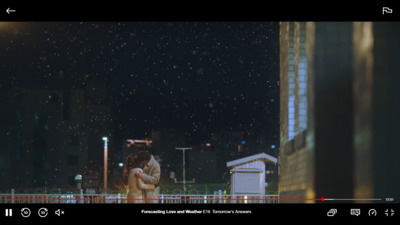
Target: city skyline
[129,80]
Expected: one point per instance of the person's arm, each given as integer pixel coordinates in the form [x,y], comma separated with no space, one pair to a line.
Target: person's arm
[143,186]
[153,178]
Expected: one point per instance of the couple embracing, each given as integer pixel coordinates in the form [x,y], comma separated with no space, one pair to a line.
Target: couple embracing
[141,176]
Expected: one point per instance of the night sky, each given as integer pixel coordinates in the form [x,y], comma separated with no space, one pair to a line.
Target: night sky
[196,77]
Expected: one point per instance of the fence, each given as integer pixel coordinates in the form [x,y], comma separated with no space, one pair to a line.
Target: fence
[216,198]
[219,199]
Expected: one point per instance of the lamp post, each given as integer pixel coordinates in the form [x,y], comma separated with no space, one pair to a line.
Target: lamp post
[105,139]
[184,179]
[78,179]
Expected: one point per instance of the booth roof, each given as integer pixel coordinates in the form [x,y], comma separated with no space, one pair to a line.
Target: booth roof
[262,156]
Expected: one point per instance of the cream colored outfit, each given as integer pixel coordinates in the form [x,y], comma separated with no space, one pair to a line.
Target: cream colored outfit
[151,175]
[136,187]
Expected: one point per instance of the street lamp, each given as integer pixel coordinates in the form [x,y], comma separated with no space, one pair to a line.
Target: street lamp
[105,139]
[184,165]
[78,179]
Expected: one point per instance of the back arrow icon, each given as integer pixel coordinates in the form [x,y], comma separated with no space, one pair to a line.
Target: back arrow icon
[10,10]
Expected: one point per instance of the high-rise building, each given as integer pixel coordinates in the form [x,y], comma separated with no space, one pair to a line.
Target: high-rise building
[50,136]
[339,110]
[30,131]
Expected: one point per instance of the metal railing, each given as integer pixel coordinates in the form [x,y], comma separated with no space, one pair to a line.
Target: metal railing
[216,198]
[219,199]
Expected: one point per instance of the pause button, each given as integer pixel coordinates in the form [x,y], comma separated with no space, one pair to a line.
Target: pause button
[8,212]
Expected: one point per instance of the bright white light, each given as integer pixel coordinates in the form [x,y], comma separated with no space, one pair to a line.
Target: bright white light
[120,164]
[78,177]
[105,138]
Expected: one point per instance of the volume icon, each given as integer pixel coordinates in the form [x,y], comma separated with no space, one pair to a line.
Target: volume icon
[8,212]
[59,212]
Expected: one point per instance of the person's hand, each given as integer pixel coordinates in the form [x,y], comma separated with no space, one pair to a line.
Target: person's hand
[139,174]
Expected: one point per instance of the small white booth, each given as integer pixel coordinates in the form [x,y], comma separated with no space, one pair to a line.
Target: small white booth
[248,174]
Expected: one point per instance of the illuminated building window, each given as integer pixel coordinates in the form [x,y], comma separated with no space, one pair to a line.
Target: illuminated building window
[292,85]
[302,90]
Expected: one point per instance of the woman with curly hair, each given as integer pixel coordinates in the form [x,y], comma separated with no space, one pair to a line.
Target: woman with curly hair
[135,184]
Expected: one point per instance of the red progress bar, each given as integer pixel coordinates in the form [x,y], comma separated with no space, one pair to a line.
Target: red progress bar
[170,199]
